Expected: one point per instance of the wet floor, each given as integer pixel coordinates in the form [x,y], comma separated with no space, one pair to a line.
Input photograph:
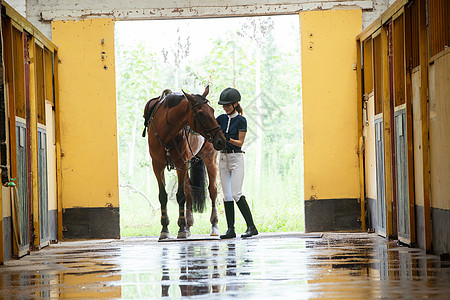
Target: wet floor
[269,266]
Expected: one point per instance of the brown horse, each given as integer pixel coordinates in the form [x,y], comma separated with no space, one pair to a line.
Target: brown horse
[204,156]
[167,118]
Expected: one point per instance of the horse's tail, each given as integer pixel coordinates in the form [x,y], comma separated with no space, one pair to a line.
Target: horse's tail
[197,178]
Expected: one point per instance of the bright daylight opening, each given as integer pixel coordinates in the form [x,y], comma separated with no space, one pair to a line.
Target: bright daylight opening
[260,56]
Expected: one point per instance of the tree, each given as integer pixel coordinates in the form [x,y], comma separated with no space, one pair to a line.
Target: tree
[175,54]
[258,30]
[137,81]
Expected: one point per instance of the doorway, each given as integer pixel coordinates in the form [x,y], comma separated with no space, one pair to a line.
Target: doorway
[260,56]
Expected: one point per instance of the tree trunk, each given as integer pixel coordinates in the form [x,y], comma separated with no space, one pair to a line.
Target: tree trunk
[234,65]
[131,149]
[177,71]
[259,129]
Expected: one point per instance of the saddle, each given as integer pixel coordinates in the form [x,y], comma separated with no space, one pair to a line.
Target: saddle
[150,108]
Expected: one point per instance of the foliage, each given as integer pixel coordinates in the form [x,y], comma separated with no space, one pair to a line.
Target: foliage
[276,194]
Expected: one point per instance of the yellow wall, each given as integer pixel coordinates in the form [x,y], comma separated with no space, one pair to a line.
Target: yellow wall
[417,132]
[6,202]
[51,156]
[329,103]
[370,153]
[439,88]
[87,112]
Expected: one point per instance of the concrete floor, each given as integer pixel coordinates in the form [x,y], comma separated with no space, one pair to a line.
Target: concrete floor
[269,266]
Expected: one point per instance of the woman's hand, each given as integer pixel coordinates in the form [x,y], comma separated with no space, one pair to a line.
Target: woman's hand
[240,141]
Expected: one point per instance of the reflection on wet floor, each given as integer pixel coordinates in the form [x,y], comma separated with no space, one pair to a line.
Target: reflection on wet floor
[292,266]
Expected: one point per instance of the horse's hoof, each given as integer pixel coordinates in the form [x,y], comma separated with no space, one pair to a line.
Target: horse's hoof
[215,230]
[183,234]
[164,235]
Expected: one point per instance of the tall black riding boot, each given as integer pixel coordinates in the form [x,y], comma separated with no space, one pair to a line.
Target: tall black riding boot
[229,213]
[245,210]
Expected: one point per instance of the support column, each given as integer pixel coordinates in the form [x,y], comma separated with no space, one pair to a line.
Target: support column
[330,117]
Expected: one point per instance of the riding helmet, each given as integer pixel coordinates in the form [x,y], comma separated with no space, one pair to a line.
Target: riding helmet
[229,96]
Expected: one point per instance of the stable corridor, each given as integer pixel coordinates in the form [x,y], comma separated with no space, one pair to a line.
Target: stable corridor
[269,266]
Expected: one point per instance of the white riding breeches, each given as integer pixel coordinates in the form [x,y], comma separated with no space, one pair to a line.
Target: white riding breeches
[231,171]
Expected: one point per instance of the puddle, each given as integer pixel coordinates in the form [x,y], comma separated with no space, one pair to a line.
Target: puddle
[285,267]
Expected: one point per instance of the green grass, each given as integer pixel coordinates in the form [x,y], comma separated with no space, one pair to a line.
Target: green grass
[138,219]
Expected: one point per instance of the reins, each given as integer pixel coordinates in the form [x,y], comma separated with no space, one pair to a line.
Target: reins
[195,157]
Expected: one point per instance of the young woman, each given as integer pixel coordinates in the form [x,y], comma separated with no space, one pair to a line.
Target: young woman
[231,162]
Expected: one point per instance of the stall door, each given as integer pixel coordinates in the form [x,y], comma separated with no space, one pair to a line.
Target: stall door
[402,179]
[402,174]
[381,211]
[42,147]
[43,188]
[21,206]
[19,102]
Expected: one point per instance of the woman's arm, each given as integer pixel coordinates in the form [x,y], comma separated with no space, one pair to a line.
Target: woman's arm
[240,141]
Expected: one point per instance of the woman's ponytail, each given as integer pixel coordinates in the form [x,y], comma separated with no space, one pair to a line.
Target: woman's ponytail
[239,109]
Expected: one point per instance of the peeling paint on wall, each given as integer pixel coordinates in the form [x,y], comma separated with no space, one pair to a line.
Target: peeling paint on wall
[42,12]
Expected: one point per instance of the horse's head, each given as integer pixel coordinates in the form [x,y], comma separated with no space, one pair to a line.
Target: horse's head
[203,121]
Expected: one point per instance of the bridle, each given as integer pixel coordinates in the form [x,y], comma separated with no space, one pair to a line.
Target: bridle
[214,130]
[197,120]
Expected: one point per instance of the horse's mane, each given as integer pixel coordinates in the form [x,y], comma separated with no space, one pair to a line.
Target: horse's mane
[173,99]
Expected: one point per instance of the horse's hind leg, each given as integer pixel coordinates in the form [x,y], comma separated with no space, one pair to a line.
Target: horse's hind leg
[181,199]
[211,167]
[159,173]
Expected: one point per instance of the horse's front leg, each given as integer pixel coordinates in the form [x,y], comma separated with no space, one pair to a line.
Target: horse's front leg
[159,173]
[181,199]
[212,175]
